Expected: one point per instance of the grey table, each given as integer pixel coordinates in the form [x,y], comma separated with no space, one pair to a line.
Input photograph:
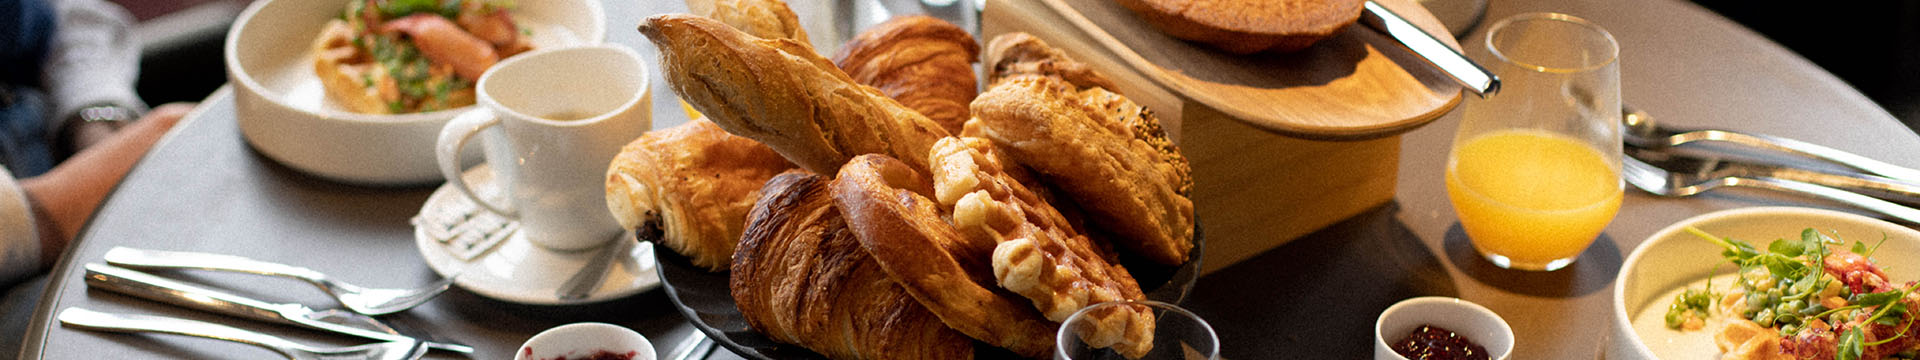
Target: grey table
[1316,297]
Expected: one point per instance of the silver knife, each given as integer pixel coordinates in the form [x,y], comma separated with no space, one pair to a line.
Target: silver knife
[151,287]
[1477,79]
[1883,188]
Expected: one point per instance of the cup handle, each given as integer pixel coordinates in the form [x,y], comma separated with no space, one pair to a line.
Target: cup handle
[447,150]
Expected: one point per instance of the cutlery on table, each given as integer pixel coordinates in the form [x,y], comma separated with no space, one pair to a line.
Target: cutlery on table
[1640,130]
[1707,166]
[369,301]
[132,323]
[186,295]
[587,279]
[1674,184]
[694,347]
[1475,78]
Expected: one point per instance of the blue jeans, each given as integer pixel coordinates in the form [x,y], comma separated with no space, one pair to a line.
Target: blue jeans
[24,130]
[26,30]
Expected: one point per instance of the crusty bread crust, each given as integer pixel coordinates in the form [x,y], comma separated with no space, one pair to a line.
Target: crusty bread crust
[1249,26]
[923,62]
[801,276]
[781,93]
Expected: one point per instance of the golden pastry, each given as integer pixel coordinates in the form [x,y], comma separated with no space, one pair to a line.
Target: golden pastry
[1019,53]
[1105,152]
[801,277]
[692,185]
[781,93]
[886,204]
[923,62]
[770,19]
[1038,254]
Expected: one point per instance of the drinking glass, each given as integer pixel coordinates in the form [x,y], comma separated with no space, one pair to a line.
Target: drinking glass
[1177,334]
[1534,173]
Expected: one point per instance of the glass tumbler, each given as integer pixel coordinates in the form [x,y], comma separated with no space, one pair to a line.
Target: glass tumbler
[1177,334]
[1534,173]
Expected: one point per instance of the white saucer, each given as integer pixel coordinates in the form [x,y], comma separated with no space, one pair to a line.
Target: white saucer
[519,272]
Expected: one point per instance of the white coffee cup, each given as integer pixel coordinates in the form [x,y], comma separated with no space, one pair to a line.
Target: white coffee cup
[553,119]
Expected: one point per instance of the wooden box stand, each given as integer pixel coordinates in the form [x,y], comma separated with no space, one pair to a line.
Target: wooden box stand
[1254,189]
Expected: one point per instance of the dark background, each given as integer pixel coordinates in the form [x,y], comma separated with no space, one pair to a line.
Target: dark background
[1873,45]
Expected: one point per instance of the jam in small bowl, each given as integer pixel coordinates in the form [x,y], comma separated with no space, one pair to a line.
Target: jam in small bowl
[586,341]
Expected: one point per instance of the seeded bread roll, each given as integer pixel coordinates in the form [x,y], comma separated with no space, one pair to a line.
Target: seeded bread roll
[1248,26]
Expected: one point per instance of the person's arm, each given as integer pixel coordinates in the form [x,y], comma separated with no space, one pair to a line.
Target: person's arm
[94,61]
[19,233]
[63,199]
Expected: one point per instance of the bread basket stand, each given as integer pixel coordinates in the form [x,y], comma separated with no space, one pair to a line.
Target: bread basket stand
[1281,144]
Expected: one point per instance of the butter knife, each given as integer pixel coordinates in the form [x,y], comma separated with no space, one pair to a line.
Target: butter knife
[151,287]
[1883,188]
[1476,79]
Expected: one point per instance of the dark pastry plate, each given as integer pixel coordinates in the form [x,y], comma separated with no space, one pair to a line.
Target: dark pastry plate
[703,297]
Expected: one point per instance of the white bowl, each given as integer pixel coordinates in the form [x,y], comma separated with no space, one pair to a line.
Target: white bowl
[1673,258]
[579,340]
[284,114]
[1470,320]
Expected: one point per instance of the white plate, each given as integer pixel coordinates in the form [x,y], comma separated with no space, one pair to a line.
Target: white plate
[1672,259]
[519,272]
[283,111]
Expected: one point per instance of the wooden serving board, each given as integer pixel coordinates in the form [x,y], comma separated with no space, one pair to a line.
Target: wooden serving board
[1281,144]
[1358,84]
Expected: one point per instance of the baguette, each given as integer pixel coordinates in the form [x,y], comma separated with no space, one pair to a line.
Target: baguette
[780,93]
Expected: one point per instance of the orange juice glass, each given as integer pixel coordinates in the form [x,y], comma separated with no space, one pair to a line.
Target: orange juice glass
[1534,173]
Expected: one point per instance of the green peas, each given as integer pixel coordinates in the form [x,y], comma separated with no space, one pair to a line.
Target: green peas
[1790,307]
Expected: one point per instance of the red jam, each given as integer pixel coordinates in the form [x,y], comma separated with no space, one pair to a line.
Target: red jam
[598,355]
[1434,343]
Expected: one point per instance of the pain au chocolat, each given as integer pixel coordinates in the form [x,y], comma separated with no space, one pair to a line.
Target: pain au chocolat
[690,186]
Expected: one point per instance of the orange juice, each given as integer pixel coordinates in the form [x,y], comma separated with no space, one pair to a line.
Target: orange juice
[1532,199]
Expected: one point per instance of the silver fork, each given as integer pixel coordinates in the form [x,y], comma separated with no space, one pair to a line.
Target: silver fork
[369,301]
[1639,129]
[1661,182]
[133,323]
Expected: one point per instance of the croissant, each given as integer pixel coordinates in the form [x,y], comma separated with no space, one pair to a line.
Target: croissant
[800,276]
[886,204]
[692,185]
[781,93]
[924,62]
